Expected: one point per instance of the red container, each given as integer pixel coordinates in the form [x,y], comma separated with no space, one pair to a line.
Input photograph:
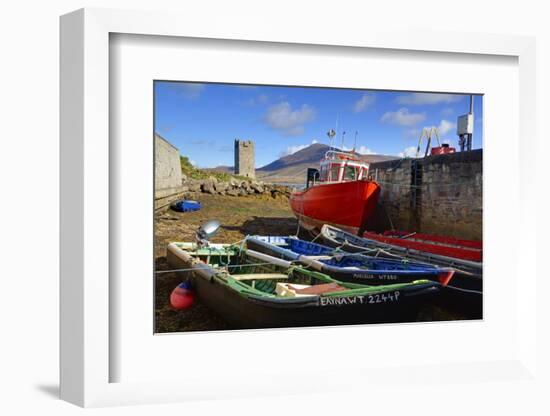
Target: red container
[442,150]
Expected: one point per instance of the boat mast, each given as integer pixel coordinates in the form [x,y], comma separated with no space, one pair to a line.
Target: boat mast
[331,133]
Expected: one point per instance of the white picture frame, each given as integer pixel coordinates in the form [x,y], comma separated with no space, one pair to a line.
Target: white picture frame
[86,355]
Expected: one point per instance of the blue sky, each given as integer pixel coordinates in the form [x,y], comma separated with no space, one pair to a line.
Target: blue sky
[203,120]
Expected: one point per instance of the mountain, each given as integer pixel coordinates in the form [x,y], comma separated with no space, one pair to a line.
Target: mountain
[292,168]
[221,169]
[310,154]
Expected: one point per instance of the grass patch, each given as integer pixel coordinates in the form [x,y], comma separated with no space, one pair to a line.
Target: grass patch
[194,173]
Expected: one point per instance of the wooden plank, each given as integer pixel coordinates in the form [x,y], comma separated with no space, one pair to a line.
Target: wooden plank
[259,276]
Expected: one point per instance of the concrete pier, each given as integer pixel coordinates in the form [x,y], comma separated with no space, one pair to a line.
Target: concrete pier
[439,194]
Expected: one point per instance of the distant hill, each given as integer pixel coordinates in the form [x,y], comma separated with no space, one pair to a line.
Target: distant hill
[292,168]
[311,154]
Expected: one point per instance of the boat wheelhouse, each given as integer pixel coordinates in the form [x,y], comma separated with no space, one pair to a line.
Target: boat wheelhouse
[339,166]
[339,193]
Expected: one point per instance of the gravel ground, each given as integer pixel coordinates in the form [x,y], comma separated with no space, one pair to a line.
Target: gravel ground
[239,216]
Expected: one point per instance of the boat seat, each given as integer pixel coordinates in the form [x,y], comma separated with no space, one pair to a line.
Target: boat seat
[259,276]
[289,290]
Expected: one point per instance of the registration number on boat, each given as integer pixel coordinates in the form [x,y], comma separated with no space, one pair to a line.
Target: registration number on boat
[360,300]
[383,297]
[375,276]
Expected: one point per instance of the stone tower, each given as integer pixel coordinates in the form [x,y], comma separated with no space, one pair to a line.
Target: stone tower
[244,158]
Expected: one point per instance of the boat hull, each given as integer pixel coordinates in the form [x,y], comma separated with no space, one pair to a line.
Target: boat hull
[426,243]
[347,205]
[467,304]
[401,305]
[465,270]
[436,239]
[248,313]
[387,271]
[465,293]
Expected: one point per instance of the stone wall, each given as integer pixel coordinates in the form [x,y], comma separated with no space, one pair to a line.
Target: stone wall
[439,194]
[167,165]
[167,172]
[245,164]
[233,187]
[171,184]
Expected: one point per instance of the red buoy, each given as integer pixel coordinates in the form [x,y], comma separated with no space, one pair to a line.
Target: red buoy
[182,297]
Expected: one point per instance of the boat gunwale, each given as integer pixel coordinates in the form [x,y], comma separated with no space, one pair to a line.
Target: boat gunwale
[209,273]
[292,255]
[379,245]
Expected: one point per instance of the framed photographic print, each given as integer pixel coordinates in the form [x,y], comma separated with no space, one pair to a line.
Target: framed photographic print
[284,199]
[308,228]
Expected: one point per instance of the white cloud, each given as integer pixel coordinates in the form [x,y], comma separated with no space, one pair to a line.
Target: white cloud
[445,126]
[365,101]
[414,132]
[408,152]
[188,90]
[193,162]
[293,149]
[424,98]
[260,99]
[364,150]
[288,121]
[403,117]
[448,111]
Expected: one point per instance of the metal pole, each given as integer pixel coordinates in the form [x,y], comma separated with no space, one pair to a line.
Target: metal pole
[473,120]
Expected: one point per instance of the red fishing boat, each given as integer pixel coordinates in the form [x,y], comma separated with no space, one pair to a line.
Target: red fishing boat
[471,250]
[340,194]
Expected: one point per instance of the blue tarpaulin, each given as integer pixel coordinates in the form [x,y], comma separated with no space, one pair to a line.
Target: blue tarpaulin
[186,206]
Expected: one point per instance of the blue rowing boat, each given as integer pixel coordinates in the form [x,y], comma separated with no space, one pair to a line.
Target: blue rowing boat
[348,267]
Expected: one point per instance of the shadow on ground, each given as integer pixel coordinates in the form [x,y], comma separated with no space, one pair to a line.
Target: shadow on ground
[51,390]
[265,226]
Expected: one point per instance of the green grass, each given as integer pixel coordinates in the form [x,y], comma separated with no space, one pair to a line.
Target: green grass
[194,173]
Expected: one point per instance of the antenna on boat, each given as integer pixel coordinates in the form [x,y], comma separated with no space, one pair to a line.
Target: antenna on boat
[331,133]
[343,134]
[354,142]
